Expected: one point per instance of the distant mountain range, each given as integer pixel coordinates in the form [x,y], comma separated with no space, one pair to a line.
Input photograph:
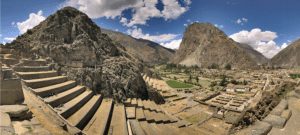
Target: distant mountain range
[203,44]
[147,51]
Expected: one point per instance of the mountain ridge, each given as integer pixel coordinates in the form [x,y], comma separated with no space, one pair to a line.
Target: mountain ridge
[147,51]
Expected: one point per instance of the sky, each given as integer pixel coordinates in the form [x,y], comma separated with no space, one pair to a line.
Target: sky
[266,25]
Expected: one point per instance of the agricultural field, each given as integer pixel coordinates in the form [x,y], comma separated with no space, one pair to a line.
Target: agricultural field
[177,84]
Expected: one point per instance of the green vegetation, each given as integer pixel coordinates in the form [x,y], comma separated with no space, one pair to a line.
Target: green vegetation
[176,84]
[227,67]
[224,81]
[294,76]
[213,66]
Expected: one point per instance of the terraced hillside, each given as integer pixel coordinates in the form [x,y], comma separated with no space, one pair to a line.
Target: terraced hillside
[80,110]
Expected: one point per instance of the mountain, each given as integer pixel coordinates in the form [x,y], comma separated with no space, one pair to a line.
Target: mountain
[204,45]
[147,51]
[288,57]
[255,55]
[83,53]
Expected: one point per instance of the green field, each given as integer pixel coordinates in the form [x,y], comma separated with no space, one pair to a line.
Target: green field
[294,76]
[176,84]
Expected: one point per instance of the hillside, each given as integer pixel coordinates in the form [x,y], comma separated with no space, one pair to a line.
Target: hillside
[288,57]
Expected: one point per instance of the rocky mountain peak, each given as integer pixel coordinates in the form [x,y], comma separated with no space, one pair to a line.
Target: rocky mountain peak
[81,52]
[203,44]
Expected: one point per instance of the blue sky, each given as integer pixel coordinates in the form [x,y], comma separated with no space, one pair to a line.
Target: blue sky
[267,25]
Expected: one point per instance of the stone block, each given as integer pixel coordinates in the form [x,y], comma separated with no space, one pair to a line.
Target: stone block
[286,114]
[280,107]
[275,121]
[11,92]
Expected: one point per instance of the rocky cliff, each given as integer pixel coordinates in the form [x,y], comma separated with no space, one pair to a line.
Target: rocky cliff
[204,45]
[147,51]
[82,52]
[288,57]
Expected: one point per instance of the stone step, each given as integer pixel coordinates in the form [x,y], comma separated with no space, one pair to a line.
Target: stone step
[155,107]
[31,68]
[149,116]
[81,117]
[38,83]
[140,103]
[99,124]
[164,118]
[9,56]
[147,105]
[136,127]
[9,61]
[65,96]
[56,88]
[127,102]
[67,109]
[26,62]
[158,129]
[37,75]
[118,125]
[130,112]
[148,129]
[6,51]
[133,102]
[140,114]
[167,129]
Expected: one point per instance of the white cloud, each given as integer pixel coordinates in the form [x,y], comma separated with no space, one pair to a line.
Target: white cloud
[142,10]
[8,39]
[174,44]
[219,26]
[241,21]
[262,41]
[172,9]
[138,33]
[145,12]
[103,8]
[33,20]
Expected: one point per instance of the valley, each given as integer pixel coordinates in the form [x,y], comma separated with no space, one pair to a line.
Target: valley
[67,75]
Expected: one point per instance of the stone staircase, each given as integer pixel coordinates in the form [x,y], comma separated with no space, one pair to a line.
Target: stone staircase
[90,113]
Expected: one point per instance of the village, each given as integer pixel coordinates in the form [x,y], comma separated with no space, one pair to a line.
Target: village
[222,98]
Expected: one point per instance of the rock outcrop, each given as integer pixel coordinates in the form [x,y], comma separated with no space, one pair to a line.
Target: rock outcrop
[147,51]
[204,44]
[82,52]
[288,57]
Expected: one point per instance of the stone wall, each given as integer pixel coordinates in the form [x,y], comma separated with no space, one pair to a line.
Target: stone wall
[11,92]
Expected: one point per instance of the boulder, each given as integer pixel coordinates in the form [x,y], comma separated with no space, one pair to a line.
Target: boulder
[16,111]
[275,121]
[6,127]
[283,104]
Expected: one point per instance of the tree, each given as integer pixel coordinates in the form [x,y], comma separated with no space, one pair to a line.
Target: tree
[197,79]
[228,67]
[213,66]
[190,78]
[224,81]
